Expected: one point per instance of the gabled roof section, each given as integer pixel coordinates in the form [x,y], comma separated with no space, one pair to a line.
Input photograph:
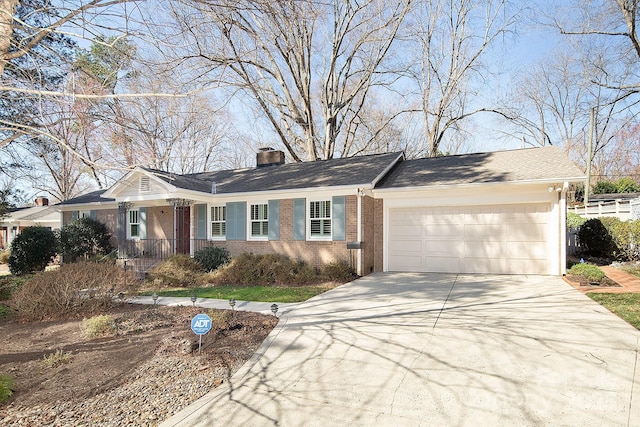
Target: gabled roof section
[358,171]
[93,197]
[543,164]
[186,182]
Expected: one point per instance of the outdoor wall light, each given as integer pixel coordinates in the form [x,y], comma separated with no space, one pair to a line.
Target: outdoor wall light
[193,299]
[232,303]
[274,309]
[154,297]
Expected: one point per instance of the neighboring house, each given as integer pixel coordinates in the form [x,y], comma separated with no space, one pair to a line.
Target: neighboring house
[42,214]
[501,212]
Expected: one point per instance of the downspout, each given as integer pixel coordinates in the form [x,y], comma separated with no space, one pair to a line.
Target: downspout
[563,229]
[360,192]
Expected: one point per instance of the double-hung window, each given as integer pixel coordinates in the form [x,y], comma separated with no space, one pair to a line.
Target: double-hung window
[134,224]
[320,219]
[218,221]
[259,220]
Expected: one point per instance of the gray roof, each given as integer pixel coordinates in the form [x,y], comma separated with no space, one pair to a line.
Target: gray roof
[93,197]
[531,164]
[352,171]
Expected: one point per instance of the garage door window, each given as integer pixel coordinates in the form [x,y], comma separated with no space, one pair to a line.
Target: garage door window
[320,219]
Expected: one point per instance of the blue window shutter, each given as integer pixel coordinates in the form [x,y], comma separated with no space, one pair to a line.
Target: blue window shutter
[338,218]
[92,214]
[75,215]
[143,222]
[201,221]
[122,223]
[236,222]
[299,219]
[274,219]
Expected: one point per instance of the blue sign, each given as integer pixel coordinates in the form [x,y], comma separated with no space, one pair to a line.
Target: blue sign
[201,324]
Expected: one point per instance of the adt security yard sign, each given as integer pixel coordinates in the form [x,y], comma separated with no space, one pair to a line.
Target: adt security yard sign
[200,324]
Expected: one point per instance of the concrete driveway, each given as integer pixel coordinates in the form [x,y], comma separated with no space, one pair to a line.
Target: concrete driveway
[437,349]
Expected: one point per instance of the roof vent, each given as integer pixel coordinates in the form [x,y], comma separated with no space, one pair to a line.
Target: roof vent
[213,187]
[267,156]
[145,184]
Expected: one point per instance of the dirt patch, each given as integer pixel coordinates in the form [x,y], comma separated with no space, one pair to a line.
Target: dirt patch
[578,281]
[153,351]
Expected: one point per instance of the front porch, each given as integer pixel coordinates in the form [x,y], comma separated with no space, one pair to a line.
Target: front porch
[141,255]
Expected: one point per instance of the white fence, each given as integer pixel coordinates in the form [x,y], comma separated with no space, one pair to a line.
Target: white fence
[572,241]
[622,209]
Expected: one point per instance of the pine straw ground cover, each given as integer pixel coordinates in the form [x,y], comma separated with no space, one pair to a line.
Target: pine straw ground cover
[144,370]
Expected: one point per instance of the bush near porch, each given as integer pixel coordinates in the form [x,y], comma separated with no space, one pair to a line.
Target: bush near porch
[246,270]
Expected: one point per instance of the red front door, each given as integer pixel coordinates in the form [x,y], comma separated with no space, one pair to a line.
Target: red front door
[183,227]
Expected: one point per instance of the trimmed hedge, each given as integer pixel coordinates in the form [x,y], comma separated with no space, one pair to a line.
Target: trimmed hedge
[212,257]
[32,250]
[84,238]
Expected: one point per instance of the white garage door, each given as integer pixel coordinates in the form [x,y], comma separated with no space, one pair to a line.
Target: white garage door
[510,239]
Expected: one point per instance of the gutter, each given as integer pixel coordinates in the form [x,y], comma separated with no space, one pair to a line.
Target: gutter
[563,228]
[440,186]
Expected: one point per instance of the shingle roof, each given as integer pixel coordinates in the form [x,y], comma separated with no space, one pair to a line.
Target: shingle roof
[93,197]
[353,171]
[543,163]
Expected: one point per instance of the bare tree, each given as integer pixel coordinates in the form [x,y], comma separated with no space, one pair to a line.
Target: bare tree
[451,38]
[179,135]
[309,66]
[606,35]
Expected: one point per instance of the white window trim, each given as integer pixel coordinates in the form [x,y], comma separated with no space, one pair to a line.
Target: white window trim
[210,223]
[84,214]
[328,237]
[129,236]
[249,235]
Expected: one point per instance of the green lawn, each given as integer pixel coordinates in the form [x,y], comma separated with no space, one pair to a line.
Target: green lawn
[627,306]
[635,270]
[252,293]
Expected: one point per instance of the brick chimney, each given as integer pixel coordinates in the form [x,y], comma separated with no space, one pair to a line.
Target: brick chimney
[42,201]
[267,156]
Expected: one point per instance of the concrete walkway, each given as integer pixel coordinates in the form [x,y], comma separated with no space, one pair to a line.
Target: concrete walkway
[259,307]
[437,349]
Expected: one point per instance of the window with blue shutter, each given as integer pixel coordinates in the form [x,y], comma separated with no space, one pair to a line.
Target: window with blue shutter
[299,219]
[236,220]
[339,217]
[274,219]
[201,221]
[143,222]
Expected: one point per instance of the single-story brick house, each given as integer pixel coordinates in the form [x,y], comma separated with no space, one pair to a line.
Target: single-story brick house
[40,214]
[499,212]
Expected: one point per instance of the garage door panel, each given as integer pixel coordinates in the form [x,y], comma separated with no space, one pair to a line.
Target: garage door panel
[526,232]
[406,230]
[527,250]
[406,263]
[521,266]
[442,247]
[484,250]
[483,232]
[406,246]
[478,239]
[450,231]
[446,216]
